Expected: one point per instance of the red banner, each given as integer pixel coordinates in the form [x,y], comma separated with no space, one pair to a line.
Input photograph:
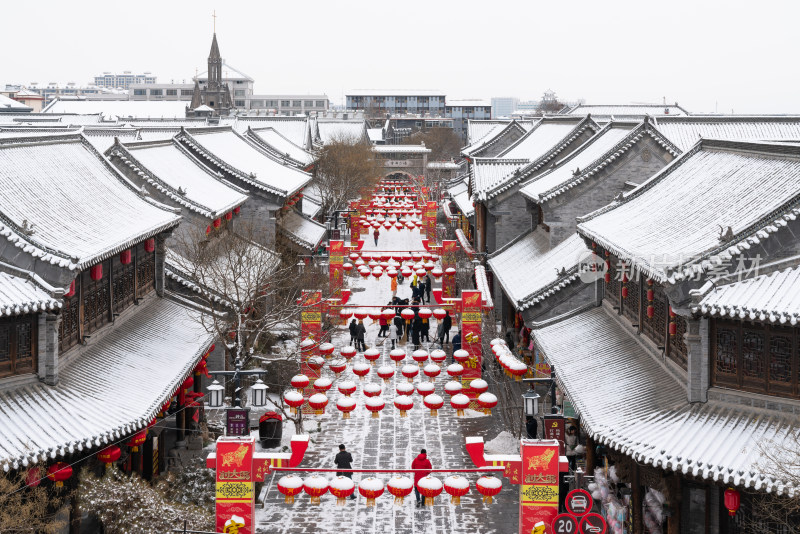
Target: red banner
[335,262]
[355,223]
[235,500]
[310,328]
[448,261]
[430,221]
[471,319]
[539,490]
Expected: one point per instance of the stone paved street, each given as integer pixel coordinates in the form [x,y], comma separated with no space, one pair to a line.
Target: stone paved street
[391,442]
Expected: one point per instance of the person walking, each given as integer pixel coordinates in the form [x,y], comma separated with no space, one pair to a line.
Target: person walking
[421,290]
[398,324]
[344,460]
[456,344]
[416,331]
[361,331]
[384,331]
[420,462]
[447,324]
[376,234]
[353,333]
[428,287]
[393,334]
[570,444]
[425,332]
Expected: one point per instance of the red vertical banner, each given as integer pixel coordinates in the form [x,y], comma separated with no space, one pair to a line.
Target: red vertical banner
[430,221]
[355,223]
[448,261]
[471,318]
[538,503]
[235,500]
[310,328]
[335,262]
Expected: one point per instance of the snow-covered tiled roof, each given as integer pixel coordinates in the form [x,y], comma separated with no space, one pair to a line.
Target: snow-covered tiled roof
[478,129]
[611,142]
[490,173]
[9,104]
[120,109]
[234,152]
[115,388]
[508,134]
[49,119]
[407,149]
[342,130]
[277,143]
[627,110]
[529,270]
[103,138]
[168,167]
[685,131]
[311,206]
[463,201]
[669,227]
[443,165]
[300,230]
[482,285]
[773,297]
[19,296]
[375,134]
[543,137]
[638,408]
[295,129]
[77,208]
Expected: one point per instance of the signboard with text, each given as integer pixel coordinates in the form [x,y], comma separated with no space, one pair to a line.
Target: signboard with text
[539,490]
[554,428]
[335,262]
[237,421]
[448,260]
[235,500]
[471,320]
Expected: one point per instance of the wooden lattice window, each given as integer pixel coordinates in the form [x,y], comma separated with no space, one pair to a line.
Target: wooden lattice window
[755,357]
[18,345]
[655,327]
[613,284]
[68,331]
[630,304]
[96,300]
[145,272]
[124,285]
[677,351]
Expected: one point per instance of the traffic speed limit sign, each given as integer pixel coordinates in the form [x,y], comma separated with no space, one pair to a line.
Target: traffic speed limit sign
[593,524]
[565,524]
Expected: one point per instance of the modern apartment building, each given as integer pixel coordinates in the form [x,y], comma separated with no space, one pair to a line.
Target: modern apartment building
[122,81]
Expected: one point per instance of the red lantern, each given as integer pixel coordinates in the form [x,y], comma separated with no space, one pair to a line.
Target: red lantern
[433,402]
[407,314]
[410,372]
[455,369]
[338,366]
[453,387]
[316,486]
[438,355]
[228,216]
[347,352]
[439,313]
[294,399]
[624,292]
[487,401]
[361,313]
[459,402]
[456,486]
[150,245]
[289,486]
[125,257]
[479,386]
[347,388]
[372,390]
[318,402]
[430,487]
[71,291]
[420,356]
[217,222]
[673,327]
[607,277]
[342,488]
[189,382]
[361,370]
[425,313]
[651,311]
[33,477]
[96,272]
[326,349]
[461,355]
[732,501]
[488,487]
[59,472]
[386,373]
[403,403]
[371,488]
[432,371]
[400,486]
[316,363]
[300,381]
[346,405]
[137,439]
[208,229]
[109,455]
[374,405]
[237,209]
[397,356]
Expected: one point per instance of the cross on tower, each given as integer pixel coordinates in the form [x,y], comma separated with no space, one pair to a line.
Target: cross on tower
[214,16]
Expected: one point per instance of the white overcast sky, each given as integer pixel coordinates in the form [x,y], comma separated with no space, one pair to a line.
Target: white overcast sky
[706,55]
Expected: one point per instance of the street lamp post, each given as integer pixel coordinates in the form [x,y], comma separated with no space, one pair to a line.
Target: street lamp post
[237,418]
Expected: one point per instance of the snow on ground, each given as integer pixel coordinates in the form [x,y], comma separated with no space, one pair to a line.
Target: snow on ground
[504,443]
[389,442]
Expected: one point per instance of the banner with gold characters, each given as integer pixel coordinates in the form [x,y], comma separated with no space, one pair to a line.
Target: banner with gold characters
[310,328]
[471,319]
[335,262]
[430,221]
[235,493]
[355,223]
[448,261]
[539,489]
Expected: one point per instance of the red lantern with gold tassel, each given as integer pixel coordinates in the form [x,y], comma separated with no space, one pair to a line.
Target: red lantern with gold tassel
[732,501]
[229,216]
[651,311]
[59,472]
[150,245]
[96,272]
[673,327]
[137,439]
[125,257]
[217,223]
[109,455]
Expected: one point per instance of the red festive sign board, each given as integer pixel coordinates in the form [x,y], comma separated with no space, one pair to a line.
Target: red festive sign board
[335,262]
[554,429]
[471,319]
[235,499]
[539,489]
[448,261]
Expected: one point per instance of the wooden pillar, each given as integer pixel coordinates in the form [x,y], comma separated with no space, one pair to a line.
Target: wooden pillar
[636,497]
[591,459]
[74,514]
[180,426]
[675,497]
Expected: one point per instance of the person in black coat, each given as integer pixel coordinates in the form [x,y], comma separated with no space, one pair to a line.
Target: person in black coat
[421,289]
[447,324]
[456,344]
[353,333]
[361,331]
[344,460]
[399,322]
[416,329]
[428,287]
[425,332]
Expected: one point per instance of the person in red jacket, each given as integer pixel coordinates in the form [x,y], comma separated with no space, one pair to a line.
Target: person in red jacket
[376,234]
[420,462]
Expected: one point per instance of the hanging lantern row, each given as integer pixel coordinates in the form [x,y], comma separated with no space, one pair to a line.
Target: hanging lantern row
[400,487]
[511,365]
[650,297]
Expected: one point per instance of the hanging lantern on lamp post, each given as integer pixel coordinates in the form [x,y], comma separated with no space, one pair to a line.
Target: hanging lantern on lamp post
[259,392]
[216,394]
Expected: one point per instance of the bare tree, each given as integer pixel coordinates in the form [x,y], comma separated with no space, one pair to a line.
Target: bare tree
[25,508]
[444,143]
[780,460]
[345,167]
[249,298]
